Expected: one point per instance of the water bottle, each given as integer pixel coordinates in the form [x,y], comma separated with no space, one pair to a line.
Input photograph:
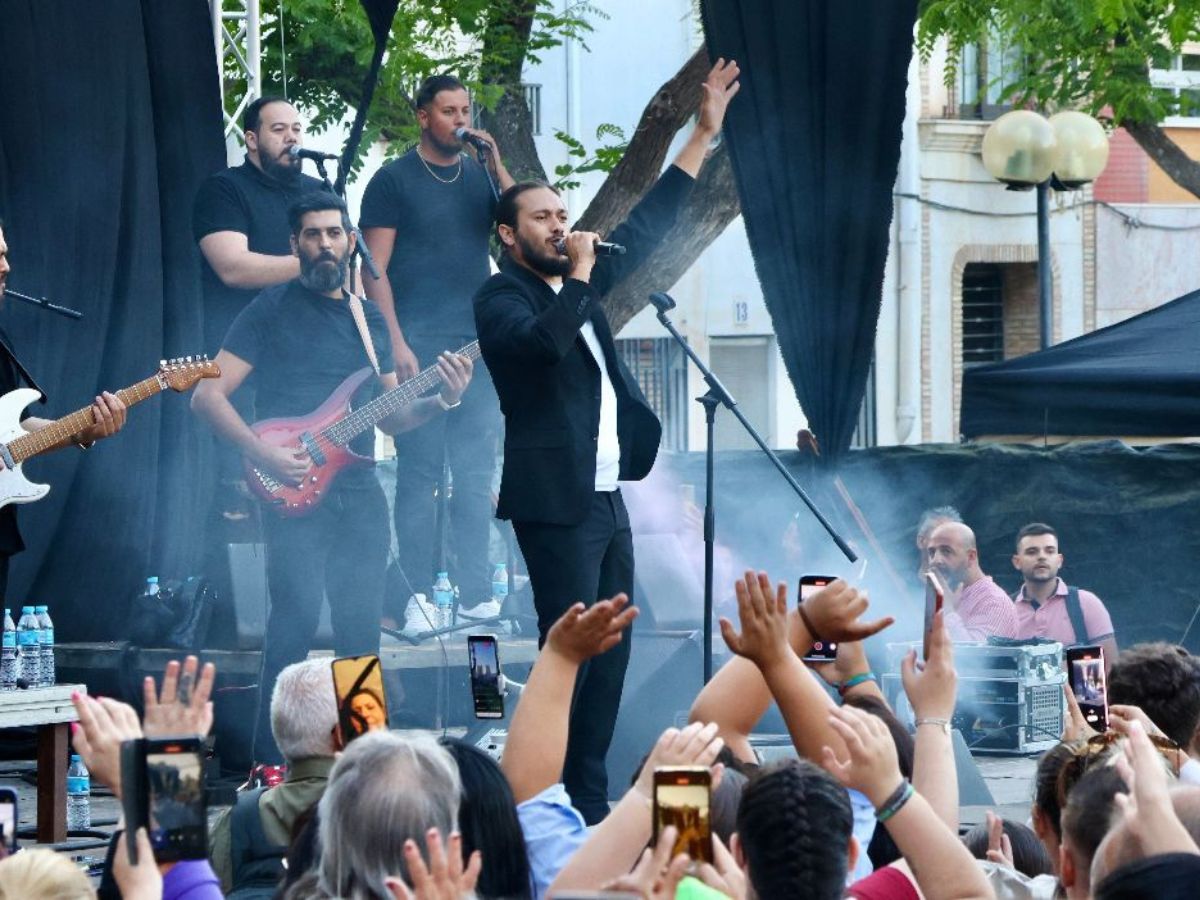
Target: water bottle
[79,796]
[29,648]
[8,661]
[47,638]
[443,599]
[500,585]
[152,586]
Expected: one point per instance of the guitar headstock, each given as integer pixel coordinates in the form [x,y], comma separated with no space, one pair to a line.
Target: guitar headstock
[183,372]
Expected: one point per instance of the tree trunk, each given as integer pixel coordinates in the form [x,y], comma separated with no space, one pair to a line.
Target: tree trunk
[510,123]
[713,204]
[668,111]
[1169,156]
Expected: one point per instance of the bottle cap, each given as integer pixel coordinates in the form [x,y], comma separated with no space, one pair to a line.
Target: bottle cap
[40,609]
[74,757]
[443,574]
[153,579]
[26,610]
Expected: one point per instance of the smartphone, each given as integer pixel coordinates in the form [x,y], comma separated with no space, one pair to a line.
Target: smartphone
[1089,684]
[361,703]
[683,798]
[820,651]
[8,818]
[484,659]
[935,597]
[162,783]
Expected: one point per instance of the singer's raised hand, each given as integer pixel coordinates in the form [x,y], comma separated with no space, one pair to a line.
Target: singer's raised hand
[719,88]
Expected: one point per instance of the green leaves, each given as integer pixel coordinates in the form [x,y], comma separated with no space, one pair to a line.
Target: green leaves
[604,159]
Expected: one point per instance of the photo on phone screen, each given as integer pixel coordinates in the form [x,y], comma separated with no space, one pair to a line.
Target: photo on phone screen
[820,651]
[484,661]
[682,797]
[935,596]
[178,813]
[8,818]
[361,703]
[1085,669]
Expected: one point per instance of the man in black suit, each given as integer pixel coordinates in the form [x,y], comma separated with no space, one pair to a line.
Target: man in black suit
[576,422]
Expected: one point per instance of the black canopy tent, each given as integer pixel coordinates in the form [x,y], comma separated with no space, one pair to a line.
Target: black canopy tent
[1138,379]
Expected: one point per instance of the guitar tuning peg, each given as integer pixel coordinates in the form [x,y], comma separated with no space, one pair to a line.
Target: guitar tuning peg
[188,358]
[162,363]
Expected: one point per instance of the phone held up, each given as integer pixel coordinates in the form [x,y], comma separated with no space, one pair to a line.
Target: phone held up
[683,798]
[162,783]
[484,660]
[8,819]
[935,597]
[820,651]
[361,703]
[1089,684]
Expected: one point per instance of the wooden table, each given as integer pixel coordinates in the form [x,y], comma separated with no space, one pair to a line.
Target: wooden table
[49,709]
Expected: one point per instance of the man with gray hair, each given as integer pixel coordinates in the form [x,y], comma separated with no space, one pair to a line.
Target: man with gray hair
[931,519]
[384,790]
[249,841]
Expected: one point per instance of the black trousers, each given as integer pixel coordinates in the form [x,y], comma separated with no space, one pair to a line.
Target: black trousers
[590,561]
[338,551]
[467,436]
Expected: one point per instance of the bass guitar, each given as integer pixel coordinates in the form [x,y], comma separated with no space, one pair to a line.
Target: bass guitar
[177,374]
[325,435]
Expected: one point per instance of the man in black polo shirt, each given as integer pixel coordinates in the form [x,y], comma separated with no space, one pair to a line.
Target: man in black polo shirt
[301,342]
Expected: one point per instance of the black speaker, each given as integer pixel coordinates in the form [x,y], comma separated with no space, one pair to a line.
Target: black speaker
[665,674]
[668,588]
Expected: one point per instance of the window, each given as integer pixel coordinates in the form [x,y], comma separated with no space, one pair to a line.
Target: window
[660,367]
[985,70]
[864,433]
[1183,81]
[533,100]
[982,314]
[744,366]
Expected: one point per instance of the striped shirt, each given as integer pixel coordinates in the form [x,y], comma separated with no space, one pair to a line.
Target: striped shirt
[983,611]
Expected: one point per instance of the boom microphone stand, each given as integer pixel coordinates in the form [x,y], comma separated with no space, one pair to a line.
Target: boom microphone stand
[718,396]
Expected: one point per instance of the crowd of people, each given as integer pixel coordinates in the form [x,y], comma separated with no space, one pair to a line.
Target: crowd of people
[866,809]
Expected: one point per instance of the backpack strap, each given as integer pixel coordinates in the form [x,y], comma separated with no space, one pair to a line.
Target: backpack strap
[1075,611]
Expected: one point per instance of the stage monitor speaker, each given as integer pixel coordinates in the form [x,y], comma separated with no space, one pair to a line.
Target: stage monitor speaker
[245,613]
[668,589]
[664,676]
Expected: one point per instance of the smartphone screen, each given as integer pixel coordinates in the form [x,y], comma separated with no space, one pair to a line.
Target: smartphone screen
[362,706]
[682,797]
[484,660]
[935,596]
[8,818]
[820,651]
[1085,668]
[178,814]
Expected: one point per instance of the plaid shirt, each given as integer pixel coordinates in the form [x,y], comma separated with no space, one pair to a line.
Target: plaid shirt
[983,611]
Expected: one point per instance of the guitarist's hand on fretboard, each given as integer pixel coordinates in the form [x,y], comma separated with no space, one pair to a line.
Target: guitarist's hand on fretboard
[109,414]
[455,371]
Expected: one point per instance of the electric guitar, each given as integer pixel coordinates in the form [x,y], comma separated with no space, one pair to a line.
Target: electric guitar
[18,445]
[325,435]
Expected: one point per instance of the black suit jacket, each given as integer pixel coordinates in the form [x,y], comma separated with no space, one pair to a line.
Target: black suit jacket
[549,383]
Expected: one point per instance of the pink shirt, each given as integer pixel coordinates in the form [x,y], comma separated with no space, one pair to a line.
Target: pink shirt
[1052,620]
[983,611]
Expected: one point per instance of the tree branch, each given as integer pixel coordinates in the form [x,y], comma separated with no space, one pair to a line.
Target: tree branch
[505,44]
[1170,157]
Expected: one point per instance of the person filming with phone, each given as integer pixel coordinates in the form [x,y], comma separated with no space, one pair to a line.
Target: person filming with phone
[976,607]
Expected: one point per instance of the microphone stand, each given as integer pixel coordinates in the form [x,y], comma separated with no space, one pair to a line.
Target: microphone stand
[718,396]
[484,156]
[43,303]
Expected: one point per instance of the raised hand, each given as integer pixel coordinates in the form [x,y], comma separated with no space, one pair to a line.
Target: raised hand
[932,687]
[183,707]
[719,88]
[444,878]
[657,875]
[724,874]
[695,745]
[851,660]
[999,846]
[583,632]
[764,619]
[1146,811]
[143,881]
[103,725]
[1075,726]
[834,610]
[872,768]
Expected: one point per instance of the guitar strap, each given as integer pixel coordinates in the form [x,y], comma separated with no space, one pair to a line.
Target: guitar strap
[360,319]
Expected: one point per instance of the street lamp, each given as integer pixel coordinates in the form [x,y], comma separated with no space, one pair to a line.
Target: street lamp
[1027,151]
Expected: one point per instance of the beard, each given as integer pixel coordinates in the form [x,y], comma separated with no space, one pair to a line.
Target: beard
[446,149]
[324,273]
[281,168]
[543,261]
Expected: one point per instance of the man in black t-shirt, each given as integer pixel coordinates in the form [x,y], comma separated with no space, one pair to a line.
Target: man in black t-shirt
[427,218]
[301,342]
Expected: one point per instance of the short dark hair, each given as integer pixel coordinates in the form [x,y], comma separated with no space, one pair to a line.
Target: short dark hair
[1035,529]
[1046,780]
[794,823]
[253,114]
[1089,809]
[1164,680]
[316,201]
[507,206]
[434,85]
[1029,854]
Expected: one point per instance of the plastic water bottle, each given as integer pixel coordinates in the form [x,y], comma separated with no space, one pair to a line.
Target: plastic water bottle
[152,586]
[79,796]
[29,648]
[500,584]
[8,661]
[443,599]
[47,640]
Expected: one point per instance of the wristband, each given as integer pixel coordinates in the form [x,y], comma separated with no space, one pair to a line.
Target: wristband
[855,681]
[896,801]
[447,406]
[812,632]
[943,724]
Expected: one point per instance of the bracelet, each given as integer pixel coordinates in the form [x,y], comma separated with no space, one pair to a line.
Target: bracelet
[943,724]
[447,406]
[896,801]
[812,632]
[856,680]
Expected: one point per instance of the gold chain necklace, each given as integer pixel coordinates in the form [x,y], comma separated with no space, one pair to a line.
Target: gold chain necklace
[436,175]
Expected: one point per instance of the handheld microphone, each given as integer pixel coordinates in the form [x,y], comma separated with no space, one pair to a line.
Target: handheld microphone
[473,139]
[602,248]
[296,152]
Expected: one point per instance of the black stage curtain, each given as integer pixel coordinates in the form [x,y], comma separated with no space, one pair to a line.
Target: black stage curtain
[814,136]
[109,119]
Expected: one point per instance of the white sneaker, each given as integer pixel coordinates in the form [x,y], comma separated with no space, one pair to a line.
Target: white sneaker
[485,610]
[420,615]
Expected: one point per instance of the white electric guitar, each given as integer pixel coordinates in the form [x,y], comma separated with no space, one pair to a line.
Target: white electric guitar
[18,445]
